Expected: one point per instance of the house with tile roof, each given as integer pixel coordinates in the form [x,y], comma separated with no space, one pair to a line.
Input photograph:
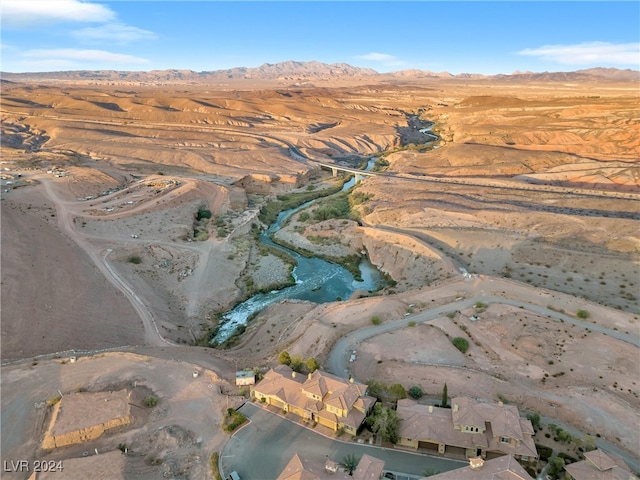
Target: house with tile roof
[369,468]
[505,467]
[319,397]
[469,428]
[598,465]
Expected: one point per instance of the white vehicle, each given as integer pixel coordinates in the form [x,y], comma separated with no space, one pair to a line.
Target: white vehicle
[233,476]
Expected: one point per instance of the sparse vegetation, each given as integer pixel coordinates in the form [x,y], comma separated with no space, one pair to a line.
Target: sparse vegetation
[583,314]
[135,259]
[150,401]
[215,469]
[233,420]
[376,320]
[461,344]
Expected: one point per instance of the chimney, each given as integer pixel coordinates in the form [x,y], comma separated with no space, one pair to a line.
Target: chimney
[430,408]
[455,407]
[293,374]
[476,463]
[500,404]
[309,376]
[350,379]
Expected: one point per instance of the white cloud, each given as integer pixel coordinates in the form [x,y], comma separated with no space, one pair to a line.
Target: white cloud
[24,13]
[71,55]
[377,57]
[590,53]
[384,58]
[113,32]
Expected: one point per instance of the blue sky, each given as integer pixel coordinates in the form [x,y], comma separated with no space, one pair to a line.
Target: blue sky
[453,36]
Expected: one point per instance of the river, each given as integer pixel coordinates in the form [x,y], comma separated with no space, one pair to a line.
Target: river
[317,280]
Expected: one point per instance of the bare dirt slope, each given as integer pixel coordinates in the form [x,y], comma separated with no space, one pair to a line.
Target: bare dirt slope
[52,294]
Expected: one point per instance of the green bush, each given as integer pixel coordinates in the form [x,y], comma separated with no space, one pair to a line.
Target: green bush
[312,364]
[203,213]
[284,358]
[398,391]
[135,259]
[234,421]
[583,314]
[415,392]
[376,320]
[461,344]
[534,418]
[150,401]
[296,363]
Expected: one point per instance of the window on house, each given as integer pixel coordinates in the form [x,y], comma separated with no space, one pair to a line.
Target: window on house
[505,439]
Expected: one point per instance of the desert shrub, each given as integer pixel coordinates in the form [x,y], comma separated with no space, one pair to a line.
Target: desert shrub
[51,401]
[150,401]
[584,314]
[203,213]
[398,391]
[415,392]
[135,259]
[375,320]
[376,389]
[461,344]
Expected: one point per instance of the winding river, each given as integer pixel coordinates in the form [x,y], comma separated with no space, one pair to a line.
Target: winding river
[317,280]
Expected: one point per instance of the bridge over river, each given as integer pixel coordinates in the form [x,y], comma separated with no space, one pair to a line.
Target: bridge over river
[336,168]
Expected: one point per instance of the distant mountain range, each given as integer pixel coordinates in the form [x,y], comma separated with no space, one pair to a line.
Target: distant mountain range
[292,71]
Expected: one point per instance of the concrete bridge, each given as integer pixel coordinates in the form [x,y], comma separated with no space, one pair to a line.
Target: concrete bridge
[336,168]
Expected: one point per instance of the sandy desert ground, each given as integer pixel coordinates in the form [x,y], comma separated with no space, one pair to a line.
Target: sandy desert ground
[533,188]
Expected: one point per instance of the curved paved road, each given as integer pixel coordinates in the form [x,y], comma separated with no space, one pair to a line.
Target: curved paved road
[337,363]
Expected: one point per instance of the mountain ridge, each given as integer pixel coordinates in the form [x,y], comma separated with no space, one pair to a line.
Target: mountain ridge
[313,70]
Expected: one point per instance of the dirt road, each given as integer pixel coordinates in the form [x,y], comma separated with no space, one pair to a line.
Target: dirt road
[99,258]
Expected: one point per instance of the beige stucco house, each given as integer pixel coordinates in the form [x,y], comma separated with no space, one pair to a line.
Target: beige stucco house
[320,397]
[599,465]
[470,428]
[501,468]
[369,468]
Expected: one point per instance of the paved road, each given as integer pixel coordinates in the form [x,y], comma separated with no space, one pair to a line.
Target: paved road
[338,358]
[263,448]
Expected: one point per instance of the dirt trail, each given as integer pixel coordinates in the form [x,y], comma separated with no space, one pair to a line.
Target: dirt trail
[65,221]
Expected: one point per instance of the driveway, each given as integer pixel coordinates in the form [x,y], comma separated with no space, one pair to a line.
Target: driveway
[261,449]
